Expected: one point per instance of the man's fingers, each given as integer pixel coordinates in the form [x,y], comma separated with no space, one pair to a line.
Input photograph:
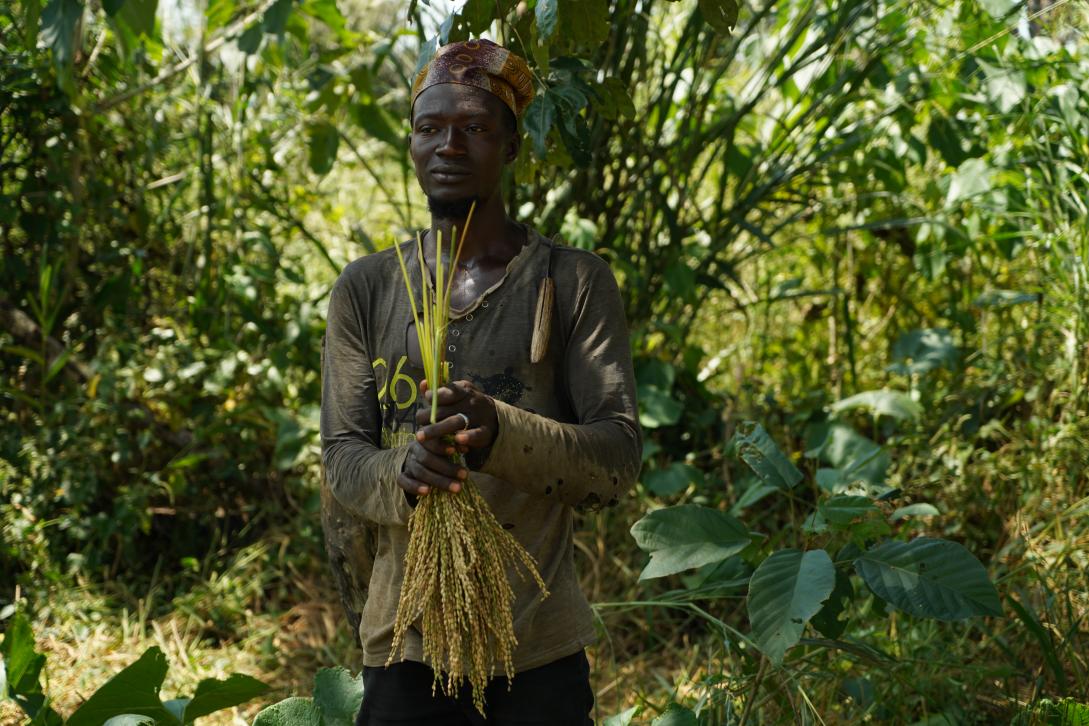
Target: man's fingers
[478,438]
[445,427]
[423,476]
[419,488]
[430,467]
[450,394]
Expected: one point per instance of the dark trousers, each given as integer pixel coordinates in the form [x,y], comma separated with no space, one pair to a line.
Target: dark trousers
[555,694]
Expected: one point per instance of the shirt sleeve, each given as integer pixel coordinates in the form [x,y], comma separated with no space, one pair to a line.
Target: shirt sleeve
[592,462]
[361,474]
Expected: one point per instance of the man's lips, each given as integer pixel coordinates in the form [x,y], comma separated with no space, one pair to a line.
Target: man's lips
[449,174]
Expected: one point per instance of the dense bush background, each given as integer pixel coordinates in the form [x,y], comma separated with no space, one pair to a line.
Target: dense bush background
[836,196]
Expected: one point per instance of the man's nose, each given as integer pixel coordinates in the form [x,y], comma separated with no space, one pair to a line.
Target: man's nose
[451,143]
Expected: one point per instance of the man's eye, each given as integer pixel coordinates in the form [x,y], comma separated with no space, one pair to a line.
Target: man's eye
[477,128]
[425,130]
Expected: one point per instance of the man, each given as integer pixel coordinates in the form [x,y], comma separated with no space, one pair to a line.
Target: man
[544,433]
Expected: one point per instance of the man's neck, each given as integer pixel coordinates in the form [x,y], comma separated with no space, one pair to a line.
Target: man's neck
[490,234]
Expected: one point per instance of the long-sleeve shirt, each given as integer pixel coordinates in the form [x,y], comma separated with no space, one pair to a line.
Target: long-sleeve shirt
[568,434]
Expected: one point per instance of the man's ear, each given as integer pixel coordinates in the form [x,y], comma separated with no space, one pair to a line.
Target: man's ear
[514,147]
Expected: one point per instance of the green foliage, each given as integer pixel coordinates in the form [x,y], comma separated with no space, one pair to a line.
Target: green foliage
[135,690]
[929,578]
[129,698]
[687,536]
[861,224]
[23,667]
[762,455]
[336,701]
[786,591]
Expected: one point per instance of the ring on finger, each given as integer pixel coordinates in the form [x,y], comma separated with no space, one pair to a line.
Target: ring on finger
[463,418]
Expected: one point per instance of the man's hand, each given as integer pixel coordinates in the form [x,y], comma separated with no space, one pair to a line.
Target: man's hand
[464,412]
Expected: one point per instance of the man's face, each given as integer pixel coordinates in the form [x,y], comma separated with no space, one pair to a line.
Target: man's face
[461,139]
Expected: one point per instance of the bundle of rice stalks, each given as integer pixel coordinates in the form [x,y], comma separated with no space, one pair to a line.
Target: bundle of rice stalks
[455,585]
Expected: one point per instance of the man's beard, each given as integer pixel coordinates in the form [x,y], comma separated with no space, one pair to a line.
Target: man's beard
[451,208]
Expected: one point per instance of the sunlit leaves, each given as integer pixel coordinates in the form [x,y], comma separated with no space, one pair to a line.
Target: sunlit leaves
[921,351]
[854,459]
[623,718]
[971,179]
[787,589]
[218,13]
[929,578]
[546,13]
[685,537]
[895,404]
[293,711]
[676,715]
[338,694]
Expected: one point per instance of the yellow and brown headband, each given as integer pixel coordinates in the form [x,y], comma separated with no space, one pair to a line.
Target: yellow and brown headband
[483,64]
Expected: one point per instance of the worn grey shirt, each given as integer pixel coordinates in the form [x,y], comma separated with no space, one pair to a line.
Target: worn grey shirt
[568,430]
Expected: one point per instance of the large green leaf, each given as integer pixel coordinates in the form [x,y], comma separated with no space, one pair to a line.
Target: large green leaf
[275,19]
[921,351]
[377,122]
[845,509]
[23,664]
[539,117]
[885,402]
[338,695]
[930,578]
[673,479]
[250,40]
[585,22]
[323,140]
[22,668]
[621,719]
[327,12]
[58,30]
[787,589]
[139,16]
[687,536]
[1006,87]
[853,456]
[919,509]
[214,695]
[290,712]
[676,715]
[657,408]
[971,179]
[759,451]
[135,690]
[720,14]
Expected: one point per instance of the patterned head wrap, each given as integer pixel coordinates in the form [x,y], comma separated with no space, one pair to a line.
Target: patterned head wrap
[483,64]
